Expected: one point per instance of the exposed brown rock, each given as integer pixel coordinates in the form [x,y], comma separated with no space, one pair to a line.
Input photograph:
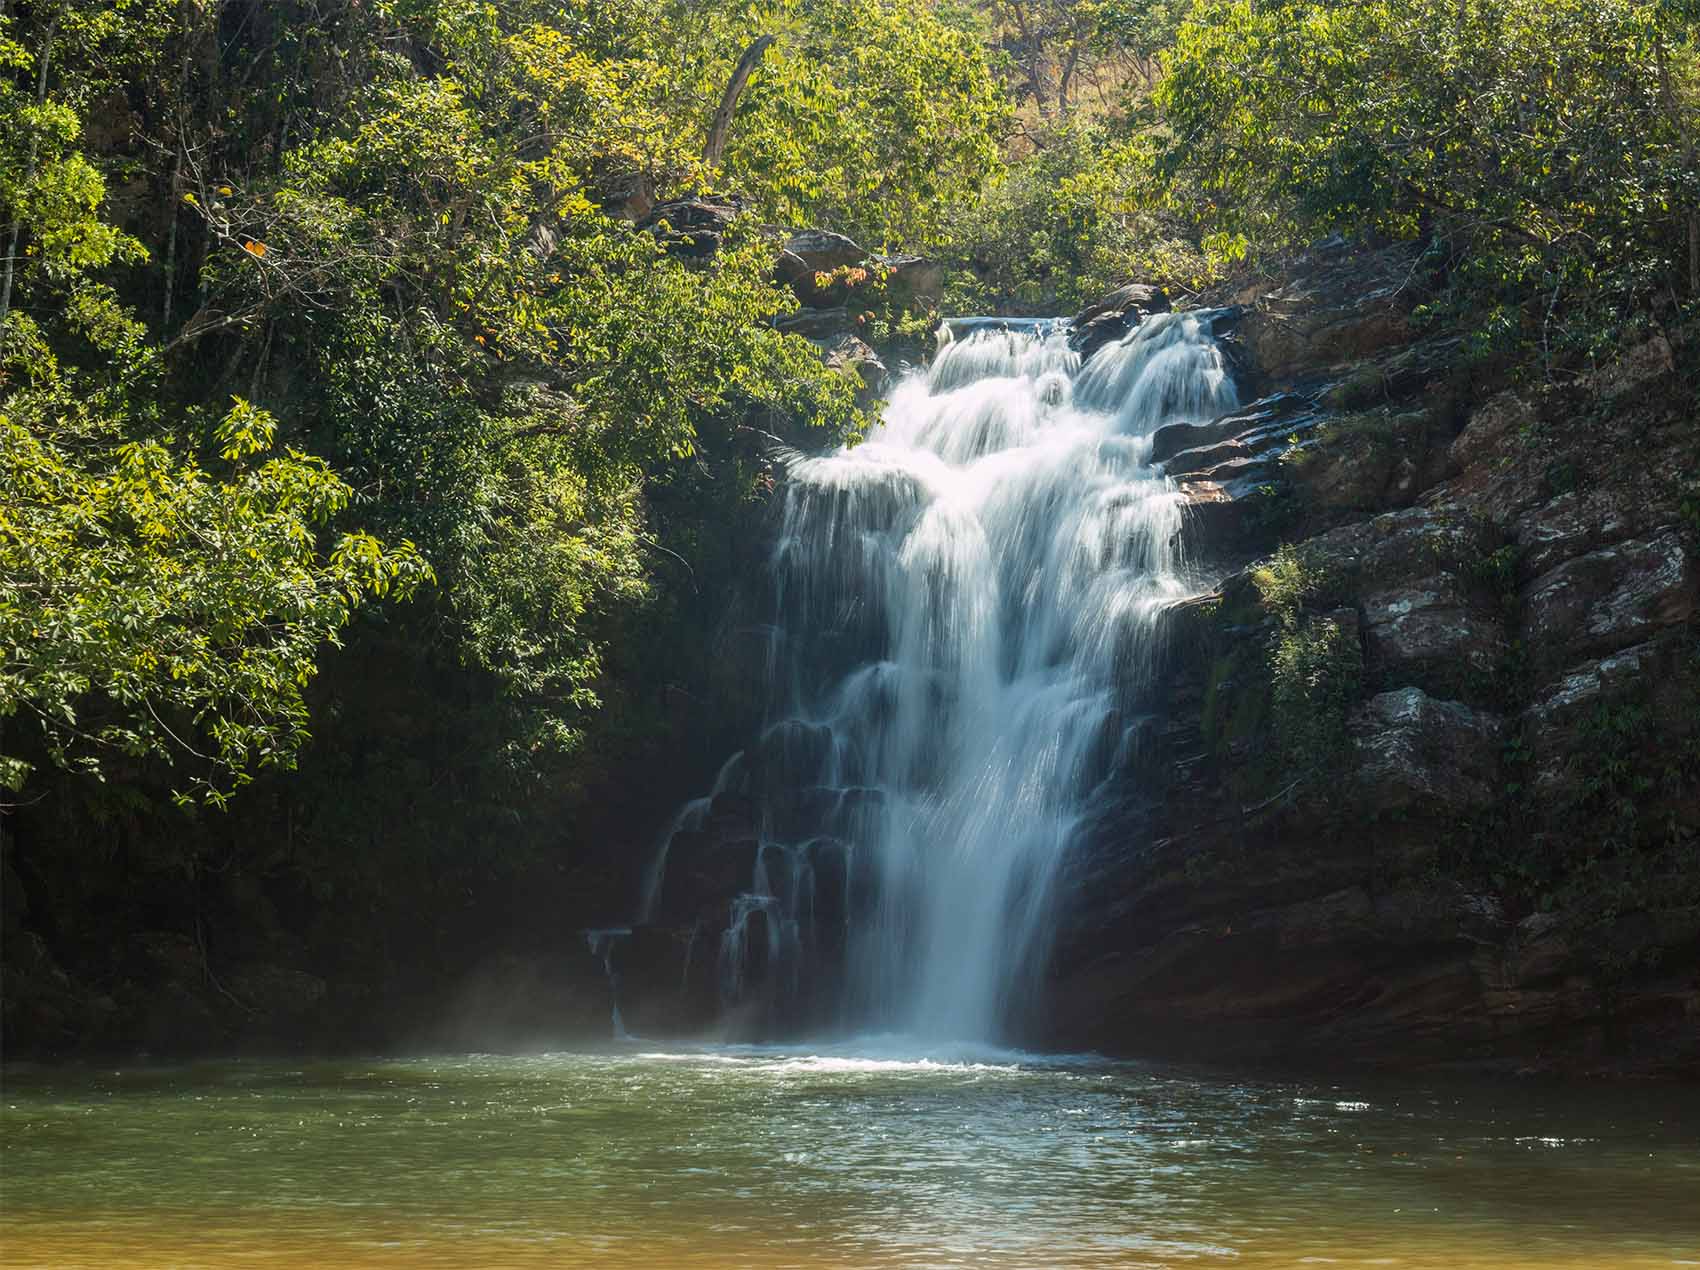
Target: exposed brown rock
[1526,584]
[1609,599]
[1429,632]
[1418,754]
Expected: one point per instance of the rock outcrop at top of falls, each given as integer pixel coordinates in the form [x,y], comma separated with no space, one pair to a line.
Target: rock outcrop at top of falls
[1422,788]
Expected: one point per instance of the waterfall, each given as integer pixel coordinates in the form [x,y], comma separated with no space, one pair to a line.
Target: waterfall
[967,605]
[602,944]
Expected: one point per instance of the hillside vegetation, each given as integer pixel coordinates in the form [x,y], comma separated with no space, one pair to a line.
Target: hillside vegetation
[375,458]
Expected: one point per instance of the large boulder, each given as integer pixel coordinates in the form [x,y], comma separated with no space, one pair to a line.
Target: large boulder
[1115,315]
[1551,723]
[822,251]
[1371,461]
[691,227]
[1429,631]
[1337,306]
[1401,547]
[1609,599]
[912,282]
[1423,757]
[1573,523]
[816,265]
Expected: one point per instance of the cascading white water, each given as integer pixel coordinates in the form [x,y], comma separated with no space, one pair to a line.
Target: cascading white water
[967,607]
[995,554]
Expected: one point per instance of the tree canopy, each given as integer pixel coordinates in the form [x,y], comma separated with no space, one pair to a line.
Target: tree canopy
[355,387]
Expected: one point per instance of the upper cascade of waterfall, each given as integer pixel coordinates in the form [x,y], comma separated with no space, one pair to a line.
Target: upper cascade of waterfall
[967,611]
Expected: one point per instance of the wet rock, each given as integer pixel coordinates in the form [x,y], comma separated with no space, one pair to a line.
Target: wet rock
[1143,296]
[851,356]
[1114,316]
[1253,439]
[669,979]
[703,875]
[1262,417]
[1423,756]
[1609,599]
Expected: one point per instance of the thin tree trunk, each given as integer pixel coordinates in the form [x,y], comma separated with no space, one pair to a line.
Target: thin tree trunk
[1685,130]
[1067,78]
[735,86]
[176,172]
[1035,59]
[29,173]
[171,239]
[1694,254]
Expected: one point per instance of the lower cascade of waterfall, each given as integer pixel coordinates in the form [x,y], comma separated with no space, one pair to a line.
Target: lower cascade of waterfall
[966,621]
[602,944]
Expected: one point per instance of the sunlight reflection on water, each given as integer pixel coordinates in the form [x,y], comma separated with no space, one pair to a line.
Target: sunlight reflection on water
[865,1155]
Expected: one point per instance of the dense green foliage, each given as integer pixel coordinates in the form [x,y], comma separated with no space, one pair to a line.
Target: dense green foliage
[412,264]
[870,117]
[485,432]
[1543,149]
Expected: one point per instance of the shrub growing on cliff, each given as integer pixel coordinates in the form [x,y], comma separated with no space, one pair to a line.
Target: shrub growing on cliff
[1315,667]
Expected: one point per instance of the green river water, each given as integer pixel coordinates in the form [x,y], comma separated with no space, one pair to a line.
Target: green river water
[773,1157]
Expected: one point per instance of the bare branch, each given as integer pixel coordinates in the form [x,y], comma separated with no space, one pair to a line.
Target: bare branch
[735,86]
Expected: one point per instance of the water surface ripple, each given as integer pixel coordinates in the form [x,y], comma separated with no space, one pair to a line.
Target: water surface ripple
[871,1157]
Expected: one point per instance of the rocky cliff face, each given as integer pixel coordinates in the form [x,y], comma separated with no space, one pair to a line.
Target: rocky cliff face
[1428,786]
